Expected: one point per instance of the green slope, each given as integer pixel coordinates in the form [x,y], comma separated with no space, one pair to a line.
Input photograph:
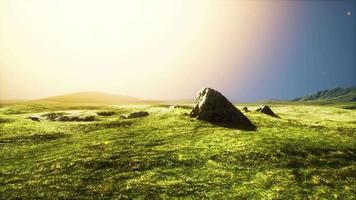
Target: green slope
[335,95]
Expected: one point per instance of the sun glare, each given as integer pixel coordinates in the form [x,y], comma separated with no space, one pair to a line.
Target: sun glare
[142,48]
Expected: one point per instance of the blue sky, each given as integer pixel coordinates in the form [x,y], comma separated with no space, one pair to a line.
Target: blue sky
[316,50]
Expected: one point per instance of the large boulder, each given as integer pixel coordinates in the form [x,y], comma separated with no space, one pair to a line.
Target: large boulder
[267,110]
[213,107]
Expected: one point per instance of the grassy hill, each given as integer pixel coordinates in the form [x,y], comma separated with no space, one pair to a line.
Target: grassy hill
[333,95]
[12,101]
[98,98]
[309,153]
[92,98]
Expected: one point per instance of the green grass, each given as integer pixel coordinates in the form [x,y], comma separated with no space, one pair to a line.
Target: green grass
[309,153]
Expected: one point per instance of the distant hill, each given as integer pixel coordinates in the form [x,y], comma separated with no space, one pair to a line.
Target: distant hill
[11,101]
[92,98]
[103,98]
[335,95]
[179,101]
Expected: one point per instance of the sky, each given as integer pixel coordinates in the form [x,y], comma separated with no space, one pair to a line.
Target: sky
[159,49]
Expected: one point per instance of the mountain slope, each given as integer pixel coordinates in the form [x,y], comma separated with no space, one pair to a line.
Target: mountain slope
[336,95]
[92,97]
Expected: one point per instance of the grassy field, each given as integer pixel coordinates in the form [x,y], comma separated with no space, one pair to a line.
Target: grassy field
[310,153]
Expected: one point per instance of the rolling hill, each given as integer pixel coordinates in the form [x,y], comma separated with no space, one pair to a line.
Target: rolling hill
[104,98]
[11,101]
[337,94]
[92,98]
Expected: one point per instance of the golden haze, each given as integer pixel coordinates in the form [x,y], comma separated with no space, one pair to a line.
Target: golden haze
[153,49]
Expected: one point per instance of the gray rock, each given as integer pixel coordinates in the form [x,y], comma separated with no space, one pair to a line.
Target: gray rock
[213,107]
[138,114]
[76,118]
[245,109]
[106,113]
[35,118]
[266,110]
[54,116]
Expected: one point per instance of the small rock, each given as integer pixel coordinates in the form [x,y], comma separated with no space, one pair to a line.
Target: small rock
[53,116]
[88,118]
[67,117]
[122,116]
[106,113]
[76,118]
[138,114]
[35,118]
[266,110]
[245,109]
[174,106]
